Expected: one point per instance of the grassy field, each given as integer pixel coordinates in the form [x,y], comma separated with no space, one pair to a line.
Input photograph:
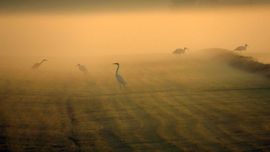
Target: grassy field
[171,103]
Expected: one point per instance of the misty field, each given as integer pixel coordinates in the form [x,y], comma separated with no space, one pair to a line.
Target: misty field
[171,103]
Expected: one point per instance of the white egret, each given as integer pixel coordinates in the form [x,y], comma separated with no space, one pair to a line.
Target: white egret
[180,50]
[241,48]
[37,65]
[121,81]
[82,68]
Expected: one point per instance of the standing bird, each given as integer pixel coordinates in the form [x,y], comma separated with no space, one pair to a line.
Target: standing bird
[121,81]
[37,65]
[180,51]
[82,68]
[241,48]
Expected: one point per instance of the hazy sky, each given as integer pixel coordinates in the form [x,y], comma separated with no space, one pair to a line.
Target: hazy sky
[134,32]
[78,5]
[130,32]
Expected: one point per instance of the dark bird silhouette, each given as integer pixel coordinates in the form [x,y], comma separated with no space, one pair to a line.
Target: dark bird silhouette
[180,50]
[82,68]
[241,48]
[121,81]
[37,65]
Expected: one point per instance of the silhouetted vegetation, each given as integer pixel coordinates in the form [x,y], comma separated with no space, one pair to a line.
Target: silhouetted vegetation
[246,63]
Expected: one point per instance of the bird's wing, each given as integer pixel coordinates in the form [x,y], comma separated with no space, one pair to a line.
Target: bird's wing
[176,51]
[179,50]
[121,79]
[83,69]
[239,48]
[35,65]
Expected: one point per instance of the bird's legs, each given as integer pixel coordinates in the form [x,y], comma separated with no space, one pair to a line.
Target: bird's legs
[120,86]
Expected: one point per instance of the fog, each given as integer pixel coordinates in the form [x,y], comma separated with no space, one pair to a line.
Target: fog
[210,98]
[96,38]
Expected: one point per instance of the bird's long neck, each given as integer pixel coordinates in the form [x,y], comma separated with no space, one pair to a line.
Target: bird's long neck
[116,72]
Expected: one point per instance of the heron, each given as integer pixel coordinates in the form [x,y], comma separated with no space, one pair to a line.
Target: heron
[37,65]
[180,50]
[82,68]
[121,81]
[241,48]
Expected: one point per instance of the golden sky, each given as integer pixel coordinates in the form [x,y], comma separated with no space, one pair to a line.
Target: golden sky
[101,27]
[133,32]
[101,5]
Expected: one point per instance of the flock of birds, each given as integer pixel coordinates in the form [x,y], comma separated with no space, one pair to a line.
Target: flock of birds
[121,81]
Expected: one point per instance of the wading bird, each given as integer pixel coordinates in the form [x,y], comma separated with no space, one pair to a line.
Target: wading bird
[37,65]
[180,51]
[82,68]
[118,77]
[241,48]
